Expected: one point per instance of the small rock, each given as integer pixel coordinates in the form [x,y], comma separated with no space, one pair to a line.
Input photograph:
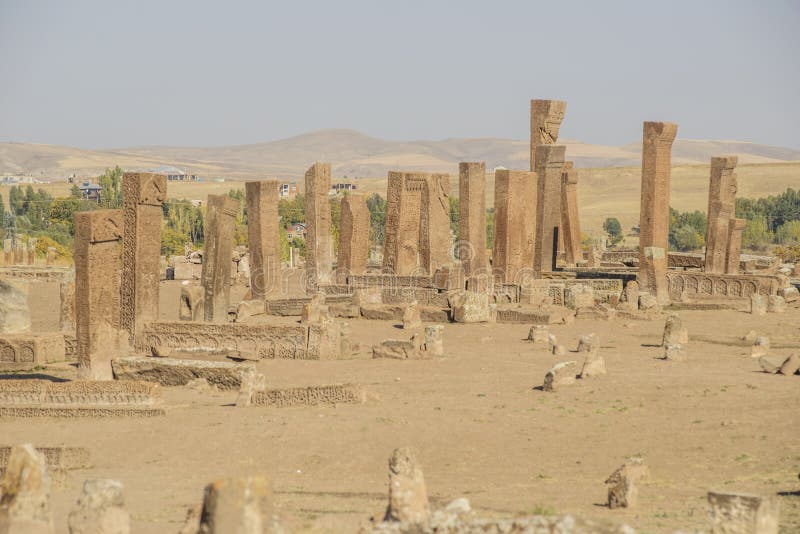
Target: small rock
[674,331]
[776,304]
[791,365]
[160,351]
[562,374]
[538,334]
[408,496]
[411,316]
[433,339]
[758,304]
[100,509]
[760,347]
[771,364]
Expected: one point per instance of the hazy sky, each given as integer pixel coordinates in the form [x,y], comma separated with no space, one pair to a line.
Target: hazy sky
[109,73]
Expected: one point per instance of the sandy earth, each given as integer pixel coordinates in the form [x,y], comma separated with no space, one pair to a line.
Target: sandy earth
[480,428]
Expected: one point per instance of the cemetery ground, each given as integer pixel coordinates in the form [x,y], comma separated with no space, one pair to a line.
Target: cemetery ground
[480,427]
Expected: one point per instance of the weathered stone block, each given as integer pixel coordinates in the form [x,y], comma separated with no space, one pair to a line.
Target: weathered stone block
[758,304]
[561,374]
[237,505]
[25,351]
[177,372]
[25,495]
[100,509]
[411,317]
[408,496]
[674,331]
[471,307]
[15,315]
[741,513]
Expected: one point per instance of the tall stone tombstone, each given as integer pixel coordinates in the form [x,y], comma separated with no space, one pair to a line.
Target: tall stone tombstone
[721,211]
[319,242]
[434,223]
[97,291]
[19,252]
[143,196]
[403,215]
[51,256]
[549,167]
[570,219]
[353,237]
[734,249]
[8,251]
[216,275]
[514,224]
[657,142]
[546,118]
[472,218]
[263,235]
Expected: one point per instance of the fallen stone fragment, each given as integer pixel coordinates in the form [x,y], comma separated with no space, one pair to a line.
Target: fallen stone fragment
[315,310]
[674,352]
[589,343]
[539,334]
[249,308]
[776,304]
[758,304]
[622,484]
[471,307]
[760,347]
[411,316]
[740,513]
[308,396]
[674,331]
[192,305]
[25,494]
[561,374]
[237,505]
[408,497]
[100,509]
[552,342]
[401,350]
[593,364]
[178,372]
[791,365]
[648,302]
[433,340]
[559,350]
[790,294]
[771,364]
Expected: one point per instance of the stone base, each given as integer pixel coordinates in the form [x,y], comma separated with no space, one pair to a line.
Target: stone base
[176,372]
[534,315]
[309,396]
[81,393]
[25,351]
[77,411]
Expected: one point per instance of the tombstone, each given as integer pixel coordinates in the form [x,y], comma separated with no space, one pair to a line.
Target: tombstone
[776,304]
[561,374]
[25,493]
[417,223]
[19,253]
[539,334]
[97,291]
[408,496]
[570,219]
[758,304]
[241,505]
[143,196]
[674,331]
[735,232]
[654,209]
[721,212]
[741,513]
[100,509]
[622,484]
[319,242]
[191,306]
[472,217]
[31,259]
[411,316]
[15,313]
[263,237]
[549,166]
[433,339]
[546,118]
[514,224]
[51,256]
[216,277]
[353,237]
[593,364]
[8,252]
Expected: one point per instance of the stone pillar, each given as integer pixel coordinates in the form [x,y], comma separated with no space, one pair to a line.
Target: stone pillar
[403,215]
[546,118]
[514,224]
[654,269]
[353,237]
[549,166]
[319,243]
[51,256]
[143,196]
[97,290]
[654,209]
[721,210]
[31,251]
[434,223]
[472,219]
[734,250]
[570,219]
[8,252]
[19,253]
[216,276]
[263,235]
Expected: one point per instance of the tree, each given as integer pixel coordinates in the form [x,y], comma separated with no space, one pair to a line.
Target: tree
[455,215]
[336,219]
[687,238]
[614,229]
[111,183]
[377,218]
[756,234]
[683,221]
[788,233]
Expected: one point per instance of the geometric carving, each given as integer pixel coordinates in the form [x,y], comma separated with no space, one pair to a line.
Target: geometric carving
[143,195]
[514,224]
[657,139]
[721,209]
[319,242]
[263,234]
[546,118]
[570,220]
[216,275]
[734,245]
[549,168]
[353,237]
[709,285]
[472,219]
